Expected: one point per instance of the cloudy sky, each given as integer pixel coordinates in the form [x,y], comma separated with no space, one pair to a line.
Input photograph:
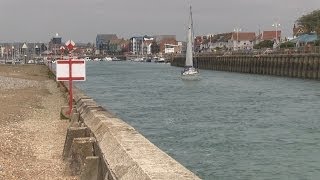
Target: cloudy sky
[81,20]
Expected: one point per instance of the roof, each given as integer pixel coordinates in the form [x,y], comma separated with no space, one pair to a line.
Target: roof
[270,35]
[106,37]
[305,38]
[224,37]
[160,37]
[244,36]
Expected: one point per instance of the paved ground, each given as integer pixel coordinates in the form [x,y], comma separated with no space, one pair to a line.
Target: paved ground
[31,132]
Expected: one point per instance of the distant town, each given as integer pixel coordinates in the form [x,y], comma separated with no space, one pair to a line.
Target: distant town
[304,35]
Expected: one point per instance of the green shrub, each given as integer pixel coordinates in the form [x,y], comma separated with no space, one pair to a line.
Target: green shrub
[287,44]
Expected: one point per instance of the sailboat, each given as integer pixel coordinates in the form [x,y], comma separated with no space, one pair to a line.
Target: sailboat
[189,71]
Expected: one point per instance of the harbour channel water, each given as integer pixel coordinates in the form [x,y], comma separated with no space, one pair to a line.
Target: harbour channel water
[225,126]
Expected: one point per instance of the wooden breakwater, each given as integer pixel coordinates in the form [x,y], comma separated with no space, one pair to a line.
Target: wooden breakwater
[298,66]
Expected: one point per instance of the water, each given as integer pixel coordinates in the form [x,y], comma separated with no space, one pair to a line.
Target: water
[225,126]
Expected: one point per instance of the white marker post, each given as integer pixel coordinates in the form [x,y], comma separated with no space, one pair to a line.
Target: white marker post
[70,70]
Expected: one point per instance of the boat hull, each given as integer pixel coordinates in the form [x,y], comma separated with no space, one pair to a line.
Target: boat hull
[191,77]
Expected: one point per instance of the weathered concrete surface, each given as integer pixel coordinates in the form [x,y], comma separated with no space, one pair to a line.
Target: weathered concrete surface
[90,170]
[126,154]
[81,149]
[72,133]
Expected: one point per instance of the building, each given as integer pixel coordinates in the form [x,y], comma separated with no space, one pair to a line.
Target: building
[198,43]
[242,40]
[269,35]
[55,43]
[217,42]
[159,38]
[168,45]
[118,46]
[136,44]
[141,44]
[298,31]
[182,47]
[305,39]
[56,39]
[103,43]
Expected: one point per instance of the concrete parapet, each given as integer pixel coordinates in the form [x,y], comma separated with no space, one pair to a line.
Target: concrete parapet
[72,133]
[81,149]
[119,151]
[128,154]
[90,169]
[74,120]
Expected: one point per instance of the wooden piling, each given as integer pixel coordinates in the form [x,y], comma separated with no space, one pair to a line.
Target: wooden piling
[299,66]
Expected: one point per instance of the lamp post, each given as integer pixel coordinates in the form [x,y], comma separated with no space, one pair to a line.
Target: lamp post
[25,59]
[276,25]
[237,30]
[12,52]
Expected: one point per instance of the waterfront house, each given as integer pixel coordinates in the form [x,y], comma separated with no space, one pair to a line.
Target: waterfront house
[199,42]
[138,46]
[242,40]
[168,46]
[220,41]
[103,43]
[305,39]
[269,35]
[147,45]
[226,41]
[298,31]
[117,46]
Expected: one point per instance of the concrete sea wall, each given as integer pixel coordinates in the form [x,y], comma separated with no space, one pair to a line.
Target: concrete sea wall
[298,66]
[100,146]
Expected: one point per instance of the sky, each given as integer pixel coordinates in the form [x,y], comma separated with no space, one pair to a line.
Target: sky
[82,20]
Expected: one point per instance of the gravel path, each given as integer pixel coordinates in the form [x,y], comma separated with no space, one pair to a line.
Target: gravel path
[32,134]
[16,83]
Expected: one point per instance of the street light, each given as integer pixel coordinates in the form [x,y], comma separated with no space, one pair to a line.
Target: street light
[25,59]
[276,25]
[237,30]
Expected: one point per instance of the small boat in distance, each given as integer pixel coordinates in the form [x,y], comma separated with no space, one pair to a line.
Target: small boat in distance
[107,58]
[190,72]
[116,59]
[160,60]
[87,59]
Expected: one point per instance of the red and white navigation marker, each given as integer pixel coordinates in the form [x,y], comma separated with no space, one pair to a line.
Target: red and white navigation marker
[70,70]
[78,70]
[70,45]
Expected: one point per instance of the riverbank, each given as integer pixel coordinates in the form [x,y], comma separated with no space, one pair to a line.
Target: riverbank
[32,134]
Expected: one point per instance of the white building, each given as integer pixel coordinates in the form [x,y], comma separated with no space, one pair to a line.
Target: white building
[242,40]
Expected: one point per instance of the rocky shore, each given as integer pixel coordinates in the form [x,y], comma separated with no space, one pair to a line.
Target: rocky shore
[32,134]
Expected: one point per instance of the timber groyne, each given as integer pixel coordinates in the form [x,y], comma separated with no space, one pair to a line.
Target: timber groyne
[297,66]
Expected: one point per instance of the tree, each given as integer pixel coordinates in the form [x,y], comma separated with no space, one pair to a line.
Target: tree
[311,21]
[264,44]
[155,48]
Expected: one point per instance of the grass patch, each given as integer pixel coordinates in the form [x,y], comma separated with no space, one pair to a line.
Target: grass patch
[51,75]
[63,117]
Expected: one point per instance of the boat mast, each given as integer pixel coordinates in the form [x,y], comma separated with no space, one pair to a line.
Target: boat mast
[189,54]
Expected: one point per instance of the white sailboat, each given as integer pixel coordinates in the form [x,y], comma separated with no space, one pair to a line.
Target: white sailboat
[190,72]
